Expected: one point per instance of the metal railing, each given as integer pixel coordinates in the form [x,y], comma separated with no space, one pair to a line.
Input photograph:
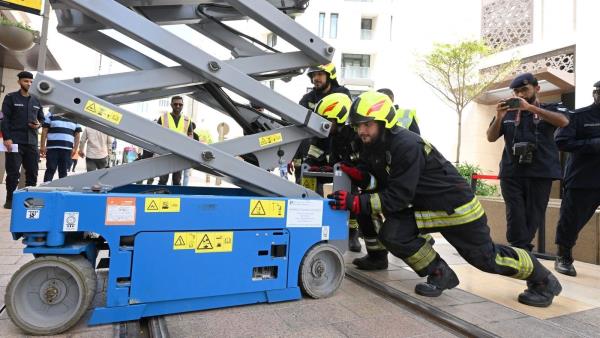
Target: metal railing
[356,72]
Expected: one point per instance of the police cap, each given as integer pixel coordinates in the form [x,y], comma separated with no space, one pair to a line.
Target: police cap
[523,80]
[25,75]
[597,84]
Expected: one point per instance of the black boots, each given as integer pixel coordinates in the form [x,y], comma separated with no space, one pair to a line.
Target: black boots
[442,278]
[353,243]
[8,204]
[541,294]
[564,262]
[374,260]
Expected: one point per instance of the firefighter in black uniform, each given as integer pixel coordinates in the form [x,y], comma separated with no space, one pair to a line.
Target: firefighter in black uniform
[530,158]
[418,190]
[407,117]
[581,197]
[324,153]
[324,80]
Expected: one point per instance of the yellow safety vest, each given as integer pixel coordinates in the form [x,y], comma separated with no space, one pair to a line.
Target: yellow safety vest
[167,121]
[406,118]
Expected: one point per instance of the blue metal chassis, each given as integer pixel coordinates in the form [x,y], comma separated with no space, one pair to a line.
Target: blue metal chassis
[148,277]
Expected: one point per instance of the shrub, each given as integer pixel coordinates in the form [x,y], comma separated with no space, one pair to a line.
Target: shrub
[483,188]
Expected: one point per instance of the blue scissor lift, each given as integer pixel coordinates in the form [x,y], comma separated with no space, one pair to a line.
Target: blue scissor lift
[176,249]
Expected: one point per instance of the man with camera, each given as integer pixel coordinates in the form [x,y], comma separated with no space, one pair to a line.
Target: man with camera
[530,158]
[581,197]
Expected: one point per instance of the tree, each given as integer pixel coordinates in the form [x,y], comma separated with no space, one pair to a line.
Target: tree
[453,71]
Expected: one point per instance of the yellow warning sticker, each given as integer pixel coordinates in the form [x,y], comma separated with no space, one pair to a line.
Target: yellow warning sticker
[270,139]
[103,112]
[167,204]
[309,183]
[203,242]
[31,6]
[267,208]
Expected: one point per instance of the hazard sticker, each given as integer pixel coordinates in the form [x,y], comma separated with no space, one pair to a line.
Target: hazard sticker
[267,208]
[309,183]
[120,211]
[168,204]
[203,242]
[103,112]
[270,139]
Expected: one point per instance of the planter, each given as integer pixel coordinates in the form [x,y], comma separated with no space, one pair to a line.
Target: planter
[16,38]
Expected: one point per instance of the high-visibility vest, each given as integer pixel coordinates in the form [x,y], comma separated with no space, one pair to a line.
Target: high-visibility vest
[167,121]
[406,117]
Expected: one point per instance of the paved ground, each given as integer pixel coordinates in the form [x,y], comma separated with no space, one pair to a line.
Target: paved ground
[352,312]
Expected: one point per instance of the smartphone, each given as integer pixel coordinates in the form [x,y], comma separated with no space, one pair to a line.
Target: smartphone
[512,103]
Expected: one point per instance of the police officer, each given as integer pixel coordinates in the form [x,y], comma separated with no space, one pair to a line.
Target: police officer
[418,190]
[23,115]
[324,153]
[324,81]
[530,159]
[407,117]
[581,197]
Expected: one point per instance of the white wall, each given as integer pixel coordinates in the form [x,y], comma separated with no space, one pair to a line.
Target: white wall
[587,52]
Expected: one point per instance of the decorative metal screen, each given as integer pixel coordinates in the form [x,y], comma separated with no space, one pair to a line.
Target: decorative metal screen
[564,62]
[507,24]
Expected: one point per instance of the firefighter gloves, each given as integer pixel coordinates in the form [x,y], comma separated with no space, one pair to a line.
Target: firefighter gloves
[343,200]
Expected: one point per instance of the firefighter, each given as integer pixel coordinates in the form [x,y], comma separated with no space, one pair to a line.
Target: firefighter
[581,197]
[324,81]
[324,153]
[418,190]
[407,118]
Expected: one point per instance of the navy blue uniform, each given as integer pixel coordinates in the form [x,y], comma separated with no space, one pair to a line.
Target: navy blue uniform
[526,186]
[581,138]
[18,111]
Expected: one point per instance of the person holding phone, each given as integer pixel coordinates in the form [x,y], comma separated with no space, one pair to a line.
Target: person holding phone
[529,161]
[23,116]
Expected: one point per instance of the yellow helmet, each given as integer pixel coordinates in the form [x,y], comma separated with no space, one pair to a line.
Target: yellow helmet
[373,106]
[334,106]
[328,68]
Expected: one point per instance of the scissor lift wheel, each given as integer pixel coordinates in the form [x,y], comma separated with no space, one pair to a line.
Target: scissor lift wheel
[49,294]
[321,271]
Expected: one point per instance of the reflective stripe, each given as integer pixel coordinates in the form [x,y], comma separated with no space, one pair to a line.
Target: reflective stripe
[375,202]
[426,237]
[353,223]
[372,183]
[376,219]
[422,258]
[407,116]
[314,151]
[373,244]
[523,265]
[462,215]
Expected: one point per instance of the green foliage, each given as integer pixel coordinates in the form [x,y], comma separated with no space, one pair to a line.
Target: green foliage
[483,188]
[454,72]
[5,22]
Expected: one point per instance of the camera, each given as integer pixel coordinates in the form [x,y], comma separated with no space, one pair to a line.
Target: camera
[512,103]
[524,152]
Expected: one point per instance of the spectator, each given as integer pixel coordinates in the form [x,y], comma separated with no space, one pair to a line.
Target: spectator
[60,139]
[96,147]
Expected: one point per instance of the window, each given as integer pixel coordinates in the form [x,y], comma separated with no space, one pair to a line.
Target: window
[333,23]
[366,29]
[357,66]
[321,24]
[271,40]
[164,103]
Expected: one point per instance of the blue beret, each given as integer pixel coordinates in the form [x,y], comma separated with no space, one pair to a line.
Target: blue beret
[523,80]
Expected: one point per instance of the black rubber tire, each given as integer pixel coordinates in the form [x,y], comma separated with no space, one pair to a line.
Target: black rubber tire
[64,268]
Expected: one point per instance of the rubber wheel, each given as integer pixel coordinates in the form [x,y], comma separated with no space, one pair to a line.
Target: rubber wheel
[49,294]
[321,271]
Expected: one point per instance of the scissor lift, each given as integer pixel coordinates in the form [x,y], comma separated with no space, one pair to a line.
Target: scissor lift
[176,249]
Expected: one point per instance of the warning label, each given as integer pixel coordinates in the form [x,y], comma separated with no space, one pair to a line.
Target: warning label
[270,139]
[267,208]
[309,183]
[31,6]
[120,211]
[103,112]
[203,242]
[168,204]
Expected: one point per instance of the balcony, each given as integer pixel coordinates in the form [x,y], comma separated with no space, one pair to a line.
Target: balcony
[366,34]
